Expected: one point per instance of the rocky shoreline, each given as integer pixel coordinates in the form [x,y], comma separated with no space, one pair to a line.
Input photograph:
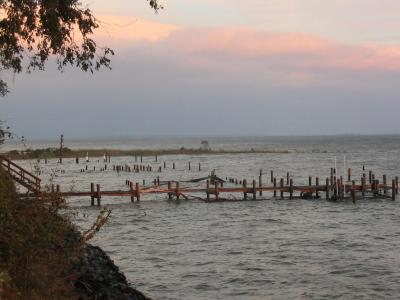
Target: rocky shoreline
[100,278]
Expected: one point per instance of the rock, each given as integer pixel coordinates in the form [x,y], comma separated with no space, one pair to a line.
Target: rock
[101,278]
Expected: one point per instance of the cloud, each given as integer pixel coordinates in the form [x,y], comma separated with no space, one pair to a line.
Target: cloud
[282,58]
[122,31]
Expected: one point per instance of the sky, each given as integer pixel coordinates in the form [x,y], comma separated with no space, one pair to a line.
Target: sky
[223,67]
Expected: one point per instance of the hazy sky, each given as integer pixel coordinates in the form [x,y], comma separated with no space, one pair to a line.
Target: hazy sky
[224,67]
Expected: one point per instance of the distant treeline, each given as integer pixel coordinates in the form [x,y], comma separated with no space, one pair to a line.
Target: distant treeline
[69,153]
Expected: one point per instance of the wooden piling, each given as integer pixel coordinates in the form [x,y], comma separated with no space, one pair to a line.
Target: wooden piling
[216,190]
[190,166]
[281,186]
[394,189]
[169,190]
[353,191]
[177,191]
[137,188]
[173,165]
[244,189]
[272,176]
[98,194]
[92,194]
[384,185]
[291,189]
[208,190]
[287,178]
[274,181]
[309,181]
[199,167]
[363,179]
[316,190]
[132,191]
[327,188]
[260,183]
[254,189]
[349,174]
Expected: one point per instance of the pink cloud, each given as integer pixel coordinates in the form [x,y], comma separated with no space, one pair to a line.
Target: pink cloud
[281,49]
[299,56]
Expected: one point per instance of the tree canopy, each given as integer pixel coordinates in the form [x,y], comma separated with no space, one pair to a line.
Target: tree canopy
[32,31]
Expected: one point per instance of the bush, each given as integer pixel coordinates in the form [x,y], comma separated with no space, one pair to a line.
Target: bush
[38,248]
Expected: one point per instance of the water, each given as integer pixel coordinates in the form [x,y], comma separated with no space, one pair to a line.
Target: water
[273,249]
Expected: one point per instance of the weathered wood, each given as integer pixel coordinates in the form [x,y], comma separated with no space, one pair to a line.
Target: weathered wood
[244,189]
[132,191]
[137,188]
[291,189]
[254,189]
[92,194]
[394,189]
[384,184]
[98,194]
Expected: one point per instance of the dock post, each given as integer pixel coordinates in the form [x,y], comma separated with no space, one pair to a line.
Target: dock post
[98,194]
[165,165]
[131,190]
[169,190]
[216,190]
[141,158]
[272,176]
[384,185]
[327,188]
[394,189]
[309,181]
[316,189]
[291,188]
[287,178]
[244,189]
[173,165]
[349,174]
[156,158]
[137,188]
[254,189]
[274,180]
[177,192]
[260,183]
[92,194]
[199,167]
[370,176]
[353,191]
[208,190]
[190,168]
[363,186]
[281,186]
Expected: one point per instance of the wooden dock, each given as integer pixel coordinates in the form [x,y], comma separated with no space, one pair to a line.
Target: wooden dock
[334,187]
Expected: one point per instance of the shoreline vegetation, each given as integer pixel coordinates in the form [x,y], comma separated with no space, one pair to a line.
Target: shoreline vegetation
[43,255]
[73,153]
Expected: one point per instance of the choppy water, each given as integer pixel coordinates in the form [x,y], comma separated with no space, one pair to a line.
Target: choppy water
[273,249]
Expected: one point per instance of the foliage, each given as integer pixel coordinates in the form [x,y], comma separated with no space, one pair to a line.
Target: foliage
[35,30]
[37,247]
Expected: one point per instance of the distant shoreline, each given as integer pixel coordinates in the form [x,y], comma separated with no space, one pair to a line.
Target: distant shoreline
[81,153]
